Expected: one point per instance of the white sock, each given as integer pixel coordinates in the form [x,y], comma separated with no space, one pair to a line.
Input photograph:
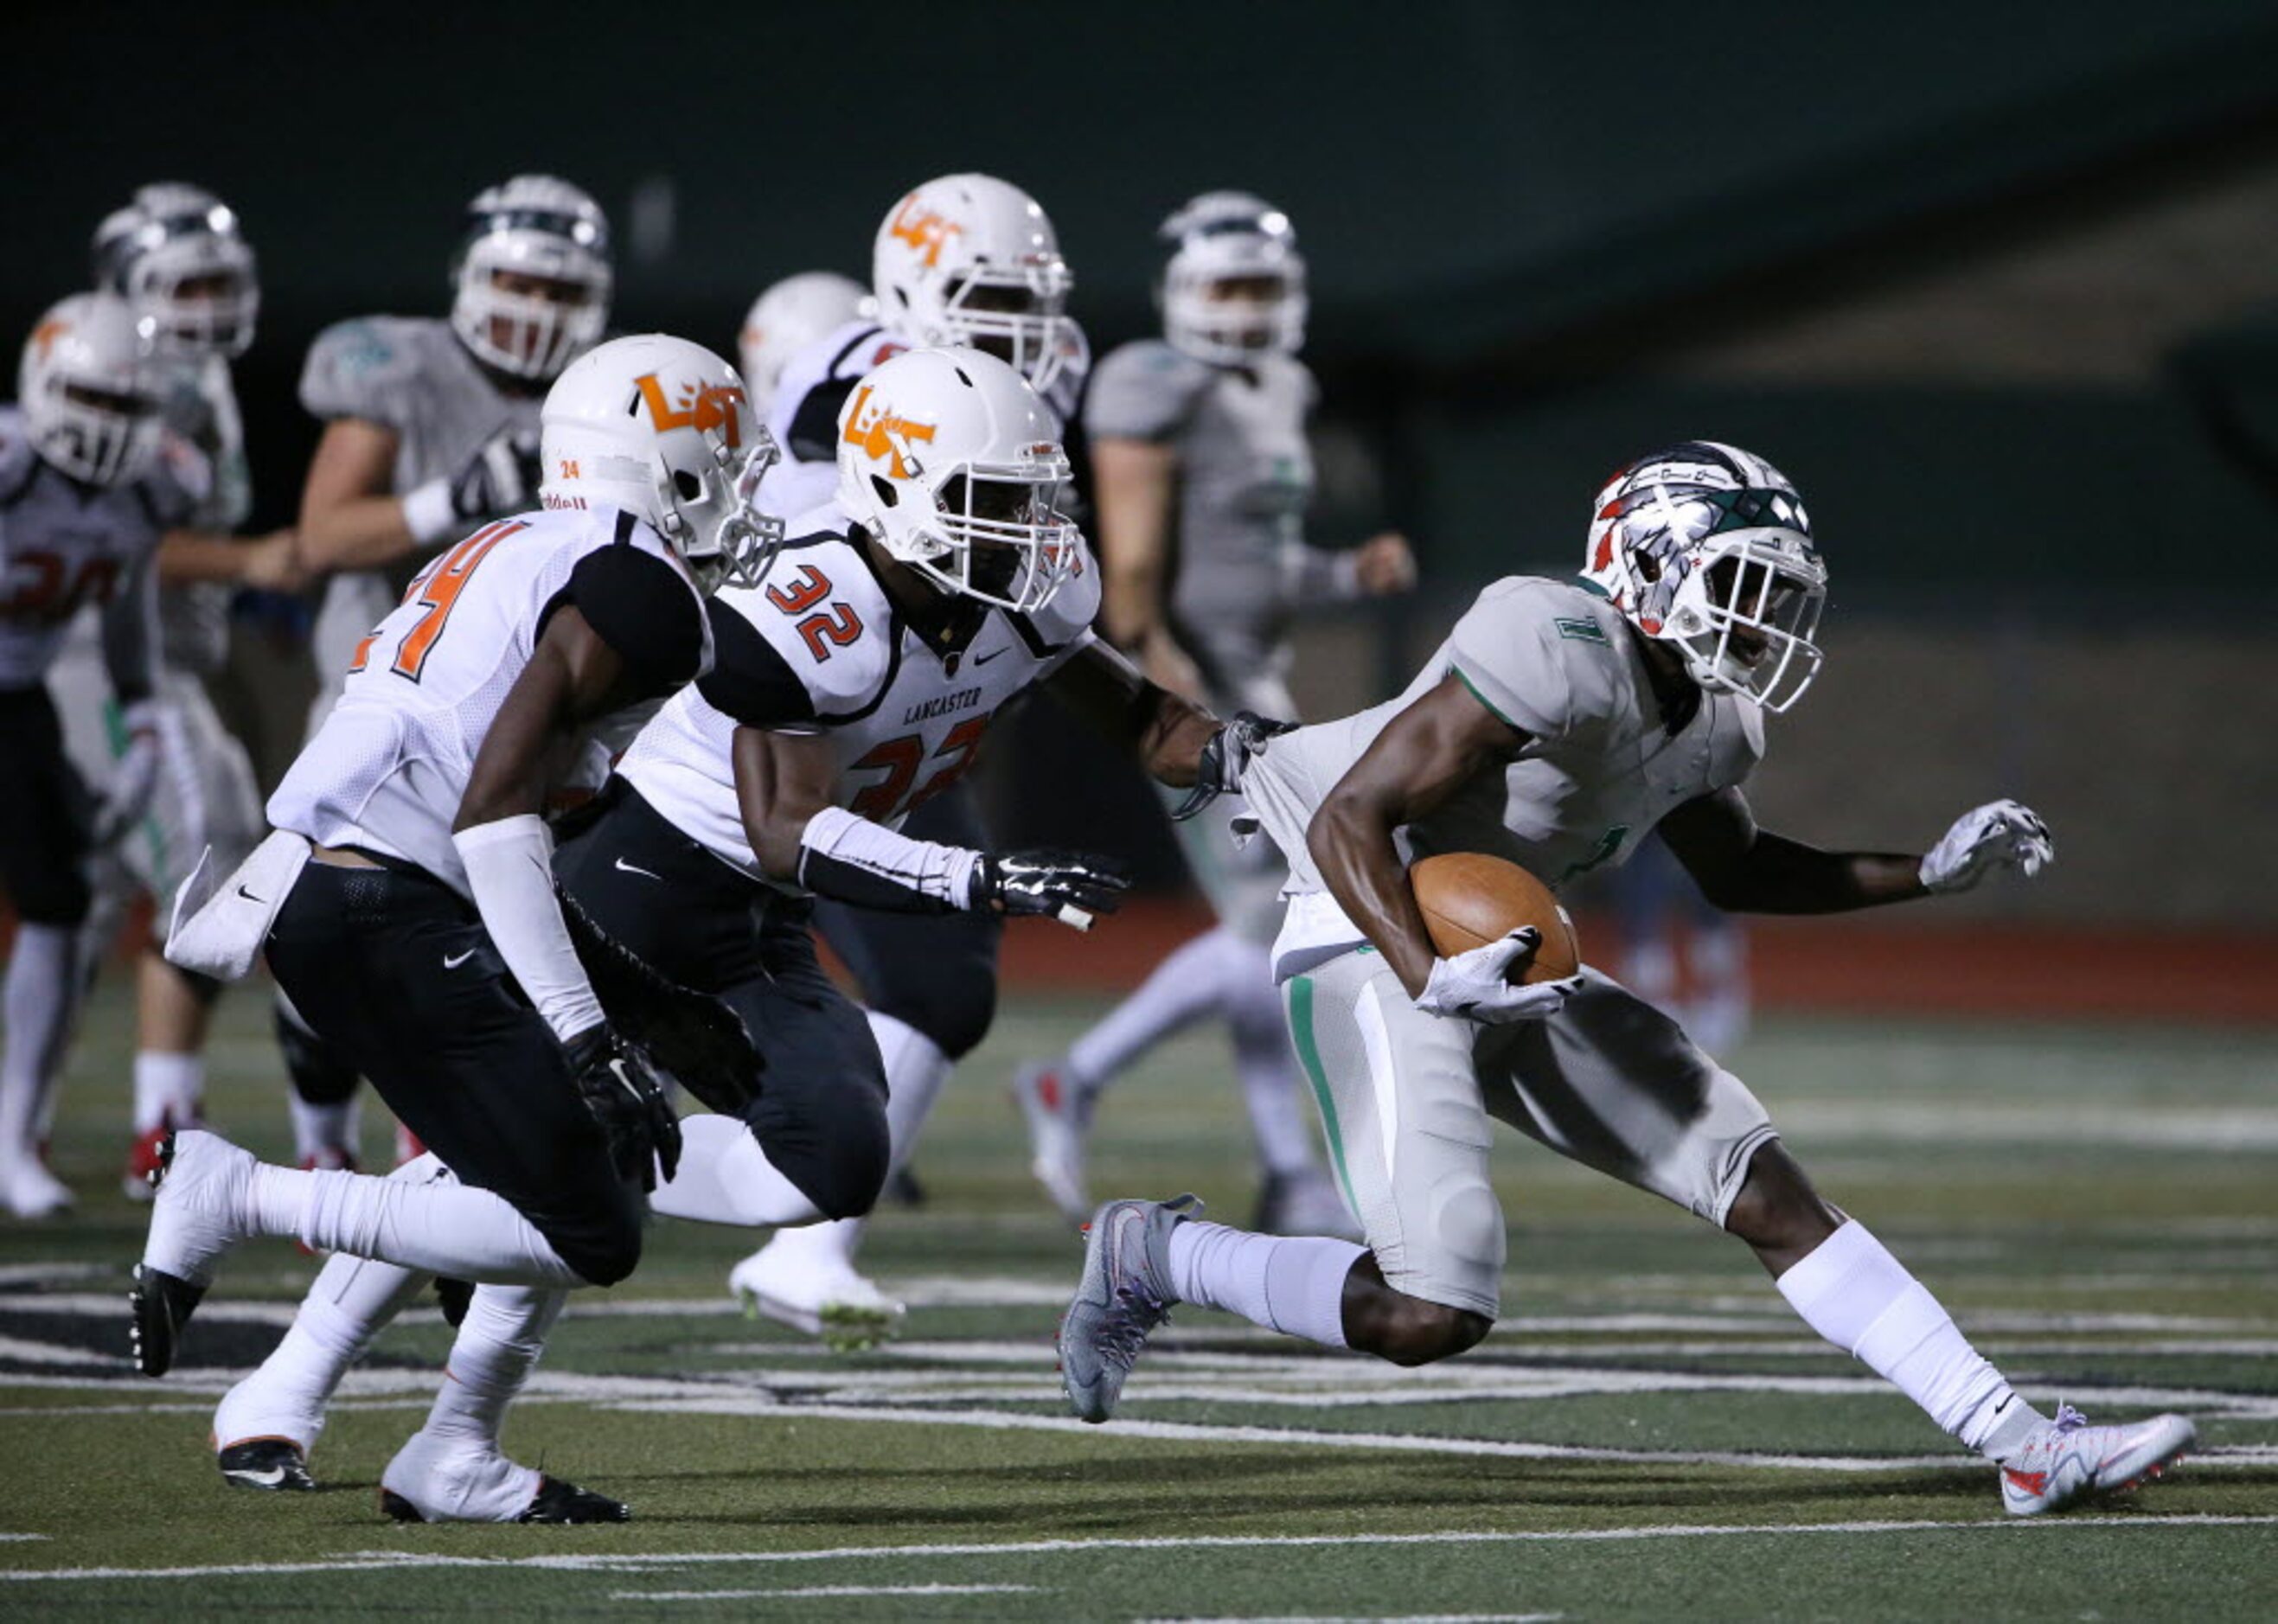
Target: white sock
[351,1300]
[1281,1120]
[1288,1284]
[38,1000]
[1853,1292]
[442,1227]
[169,1089]
[497,1348]
[318,1130]
[724,1176]
[1179,991]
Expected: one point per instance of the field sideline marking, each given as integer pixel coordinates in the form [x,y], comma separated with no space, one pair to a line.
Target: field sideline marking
[385,1561]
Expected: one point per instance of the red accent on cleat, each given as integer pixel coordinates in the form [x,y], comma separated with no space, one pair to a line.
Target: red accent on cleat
[2031,1482]
[1047,1090]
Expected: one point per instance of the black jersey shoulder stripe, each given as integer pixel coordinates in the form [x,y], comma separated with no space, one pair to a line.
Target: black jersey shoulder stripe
[749,681]
[626,523]
[812,434]
[851,345]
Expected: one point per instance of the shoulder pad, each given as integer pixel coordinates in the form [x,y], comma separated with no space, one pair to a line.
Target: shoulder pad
[824,613]
[1547,656]
[356,369]
[1143,391]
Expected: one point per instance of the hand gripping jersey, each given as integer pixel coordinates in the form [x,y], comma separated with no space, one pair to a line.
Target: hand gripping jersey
[803,416]
[1245,477]
[1600,769]
[822,650]
[389,767]
[64,545]
[413,376]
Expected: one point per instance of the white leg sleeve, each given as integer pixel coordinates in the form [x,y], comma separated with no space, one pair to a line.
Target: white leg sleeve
[440,1228]
[1179,992]
[39,1000]
[1293,1285]
[1279,1118]
[725,1177]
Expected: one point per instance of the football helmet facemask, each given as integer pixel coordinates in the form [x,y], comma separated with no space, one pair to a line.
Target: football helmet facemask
[790,314]
[89,408]
[950,461]
[532,278]
[177,255]
[972,260]
[660,428]
[1235,283]
[1708,548]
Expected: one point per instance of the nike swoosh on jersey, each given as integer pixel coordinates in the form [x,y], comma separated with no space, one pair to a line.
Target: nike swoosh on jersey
[982,659]
[250,897]
[631,868]
[453,963]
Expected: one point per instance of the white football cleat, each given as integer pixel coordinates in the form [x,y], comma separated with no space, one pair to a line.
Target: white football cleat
[2068,1459]
[1059,1115]
[203,1208]
[459,1480]
[28,1190]
[822,1296]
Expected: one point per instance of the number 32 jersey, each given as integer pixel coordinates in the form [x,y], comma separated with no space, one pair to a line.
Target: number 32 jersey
[388,768]
[820,648]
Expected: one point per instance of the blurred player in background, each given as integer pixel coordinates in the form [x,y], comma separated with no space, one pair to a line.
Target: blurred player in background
[1202,473]
[1558,725]
[787,317]
[430,430]
[967,260]
[1678,952]
[90,483]
[178,257]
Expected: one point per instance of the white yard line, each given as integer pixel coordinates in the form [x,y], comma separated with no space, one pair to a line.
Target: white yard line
[829,1589]
[621,1561]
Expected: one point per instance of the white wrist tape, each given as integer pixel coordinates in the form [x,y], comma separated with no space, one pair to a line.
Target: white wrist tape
[942,874]
[509,870]
[428,514]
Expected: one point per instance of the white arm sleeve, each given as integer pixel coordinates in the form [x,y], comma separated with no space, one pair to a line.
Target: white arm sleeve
[509,870]
[869,864]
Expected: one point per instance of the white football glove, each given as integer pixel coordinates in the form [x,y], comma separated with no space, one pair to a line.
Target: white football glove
[1471,984]
[1998,835]
[134,776]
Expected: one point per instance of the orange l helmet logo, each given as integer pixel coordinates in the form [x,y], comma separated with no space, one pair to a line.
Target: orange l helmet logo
[703,407]
[926,232]
[884,435]
[44,336]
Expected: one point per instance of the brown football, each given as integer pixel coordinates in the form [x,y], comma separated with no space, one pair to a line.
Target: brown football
[1469,899]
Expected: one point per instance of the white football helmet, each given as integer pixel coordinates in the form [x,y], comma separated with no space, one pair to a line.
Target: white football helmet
[950,461]
[89,408]
[1235,284]
[659,427]
[973,259]
[177,255]
[790,314]
[531,279]
[1707,547]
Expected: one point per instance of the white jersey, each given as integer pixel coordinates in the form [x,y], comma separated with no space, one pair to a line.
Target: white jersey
[803,412]
[820,649]
[409,375]
[64,545]
[1600,767]
[389,767]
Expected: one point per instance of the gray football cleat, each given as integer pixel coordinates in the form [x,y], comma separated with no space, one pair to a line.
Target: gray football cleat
[2069,1460]
[1124,1295]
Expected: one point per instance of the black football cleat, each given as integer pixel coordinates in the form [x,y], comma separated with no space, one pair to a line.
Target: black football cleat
[160,1305]
[272,1465]
[556,1501]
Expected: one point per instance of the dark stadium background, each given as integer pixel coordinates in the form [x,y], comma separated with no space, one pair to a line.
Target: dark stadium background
[1994,283]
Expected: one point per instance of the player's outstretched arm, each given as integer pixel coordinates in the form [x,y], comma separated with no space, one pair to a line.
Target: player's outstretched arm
[787,786]
[1132,484]
[349,518]
[1744,869]
[1423,757]
[1167,731]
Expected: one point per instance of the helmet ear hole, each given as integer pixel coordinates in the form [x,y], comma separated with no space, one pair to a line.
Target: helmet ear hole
[1648,567]
[887,495]
[686,484]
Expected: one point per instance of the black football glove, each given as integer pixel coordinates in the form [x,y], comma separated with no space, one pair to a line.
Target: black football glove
[1042,880]
[622,1089]
[692,1037]
[1226,757]
[500,477]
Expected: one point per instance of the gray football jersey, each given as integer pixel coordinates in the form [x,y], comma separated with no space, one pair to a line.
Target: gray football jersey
[1245,477]
[410,374]
[200,405]
[1599,770]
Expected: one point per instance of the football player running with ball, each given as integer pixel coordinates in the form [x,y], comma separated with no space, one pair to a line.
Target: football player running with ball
[1558,724]
[406,903]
